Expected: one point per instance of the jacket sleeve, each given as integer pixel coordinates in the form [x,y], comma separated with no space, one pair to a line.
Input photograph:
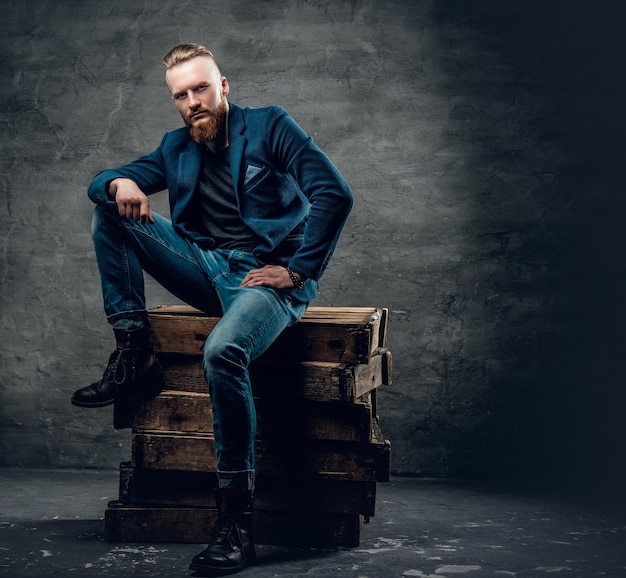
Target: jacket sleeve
[147,172]
[328,193]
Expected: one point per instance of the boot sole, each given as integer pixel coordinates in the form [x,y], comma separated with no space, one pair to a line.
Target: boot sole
[212,571]
[217,571]
[94,405]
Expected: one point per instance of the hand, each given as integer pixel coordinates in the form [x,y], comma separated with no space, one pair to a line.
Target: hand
[131,201]
[274,276]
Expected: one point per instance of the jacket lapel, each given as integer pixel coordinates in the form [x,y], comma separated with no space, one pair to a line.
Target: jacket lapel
[187,178]
[237,144]
[189,168]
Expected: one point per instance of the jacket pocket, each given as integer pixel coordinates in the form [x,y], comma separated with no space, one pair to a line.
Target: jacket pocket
[253,176]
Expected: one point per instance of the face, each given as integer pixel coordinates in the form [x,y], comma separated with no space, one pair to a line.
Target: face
[199,93]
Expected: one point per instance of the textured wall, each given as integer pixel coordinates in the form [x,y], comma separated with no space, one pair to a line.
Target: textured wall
[482,141]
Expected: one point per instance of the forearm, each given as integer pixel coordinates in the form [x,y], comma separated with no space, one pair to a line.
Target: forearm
[146,172]
[327,217]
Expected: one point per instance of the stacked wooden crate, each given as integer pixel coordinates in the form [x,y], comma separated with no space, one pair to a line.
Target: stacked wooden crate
[320,451]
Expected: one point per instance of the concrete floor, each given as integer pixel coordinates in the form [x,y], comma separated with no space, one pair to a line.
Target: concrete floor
[51,524]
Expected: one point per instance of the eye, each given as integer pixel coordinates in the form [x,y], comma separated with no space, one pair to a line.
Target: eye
[180,96]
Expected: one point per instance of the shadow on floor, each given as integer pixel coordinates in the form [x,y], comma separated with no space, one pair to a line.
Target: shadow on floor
[51,524]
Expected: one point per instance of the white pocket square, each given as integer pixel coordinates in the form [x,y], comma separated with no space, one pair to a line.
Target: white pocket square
[251,172]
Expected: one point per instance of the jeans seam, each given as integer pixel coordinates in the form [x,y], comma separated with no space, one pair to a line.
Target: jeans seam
[160,241]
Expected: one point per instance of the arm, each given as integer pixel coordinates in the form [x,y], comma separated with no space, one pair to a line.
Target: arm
[147,173]
[328,193]
[330,201]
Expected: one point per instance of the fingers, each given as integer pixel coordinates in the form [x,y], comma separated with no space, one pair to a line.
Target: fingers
[145,213]
[273,276]
[252,278]
[136,207]
[130,210]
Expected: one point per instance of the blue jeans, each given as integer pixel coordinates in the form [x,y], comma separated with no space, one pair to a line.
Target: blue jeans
[251,317]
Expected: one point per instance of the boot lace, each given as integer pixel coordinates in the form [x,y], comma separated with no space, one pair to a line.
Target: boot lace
[116,368]
[225,531]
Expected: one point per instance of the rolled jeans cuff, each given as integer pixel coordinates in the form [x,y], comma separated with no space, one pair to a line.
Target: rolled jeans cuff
[240,481]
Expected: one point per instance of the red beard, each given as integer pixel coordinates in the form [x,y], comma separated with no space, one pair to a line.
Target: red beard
[210,127]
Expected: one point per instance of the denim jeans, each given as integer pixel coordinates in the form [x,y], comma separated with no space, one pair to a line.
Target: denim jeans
[251,317]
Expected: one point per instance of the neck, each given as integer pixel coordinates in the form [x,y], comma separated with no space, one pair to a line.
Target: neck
[216,146]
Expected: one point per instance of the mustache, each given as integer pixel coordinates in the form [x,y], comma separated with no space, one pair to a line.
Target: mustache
[206,111]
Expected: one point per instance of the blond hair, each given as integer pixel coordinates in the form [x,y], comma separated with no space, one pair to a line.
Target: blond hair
[184,52]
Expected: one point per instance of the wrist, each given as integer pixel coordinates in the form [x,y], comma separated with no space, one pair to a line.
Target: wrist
[296,278]
[112,188]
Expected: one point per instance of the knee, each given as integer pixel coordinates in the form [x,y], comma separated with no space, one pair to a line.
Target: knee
[221,355]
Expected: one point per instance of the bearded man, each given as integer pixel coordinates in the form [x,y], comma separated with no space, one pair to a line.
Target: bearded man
[256,211]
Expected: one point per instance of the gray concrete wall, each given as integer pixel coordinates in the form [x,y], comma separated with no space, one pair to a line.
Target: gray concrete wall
[483,143]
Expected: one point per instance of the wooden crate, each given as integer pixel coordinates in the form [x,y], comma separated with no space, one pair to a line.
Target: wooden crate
[331,334]
[178,411]
[195,452]
[170,488]
[125,523]
[306,380]
[320,450]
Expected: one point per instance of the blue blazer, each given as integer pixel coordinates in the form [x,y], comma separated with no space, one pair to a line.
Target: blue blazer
[283,182]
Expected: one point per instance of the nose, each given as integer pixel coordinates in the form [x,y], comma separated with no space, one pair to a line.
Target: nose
[192,100]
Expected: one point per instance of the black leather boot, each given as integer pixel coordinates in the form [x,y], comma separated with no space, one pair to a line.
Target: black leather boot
[231,547]
[132,369]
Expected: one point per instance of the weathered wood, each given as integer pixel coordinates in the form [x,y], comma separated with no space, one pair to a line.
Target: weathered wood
[192,525]
[183,372]
[191,412]
[312,459]
[332,334]
[322,381]
[320,451]
[140,487]
[307,380]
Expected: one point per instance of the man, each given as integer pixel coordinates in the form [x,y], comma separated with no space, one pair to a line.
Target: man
[256,211]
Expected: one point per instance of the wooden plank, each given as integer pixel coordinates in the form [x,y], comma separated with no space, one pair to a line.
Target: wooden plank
[304,421]
[307,380]
[140,487]
[191,412]
[193,525]
[332,334]
[367,377]
[321,381]
[314,314]
[183,372]
[160,450]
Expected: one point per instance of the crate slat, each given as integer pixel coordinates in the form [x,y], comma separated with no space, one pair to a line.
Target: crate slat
[348,335]
[141,488]
[191,412]
[307,380]
[192,526]
[314,459]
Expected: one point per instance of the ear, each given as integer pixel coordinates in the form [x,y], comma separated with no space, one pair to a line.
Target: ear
[225,86]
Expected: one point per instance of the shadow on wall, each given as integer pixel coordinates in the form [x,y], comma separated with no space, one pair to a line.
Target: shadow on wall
[536,385]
